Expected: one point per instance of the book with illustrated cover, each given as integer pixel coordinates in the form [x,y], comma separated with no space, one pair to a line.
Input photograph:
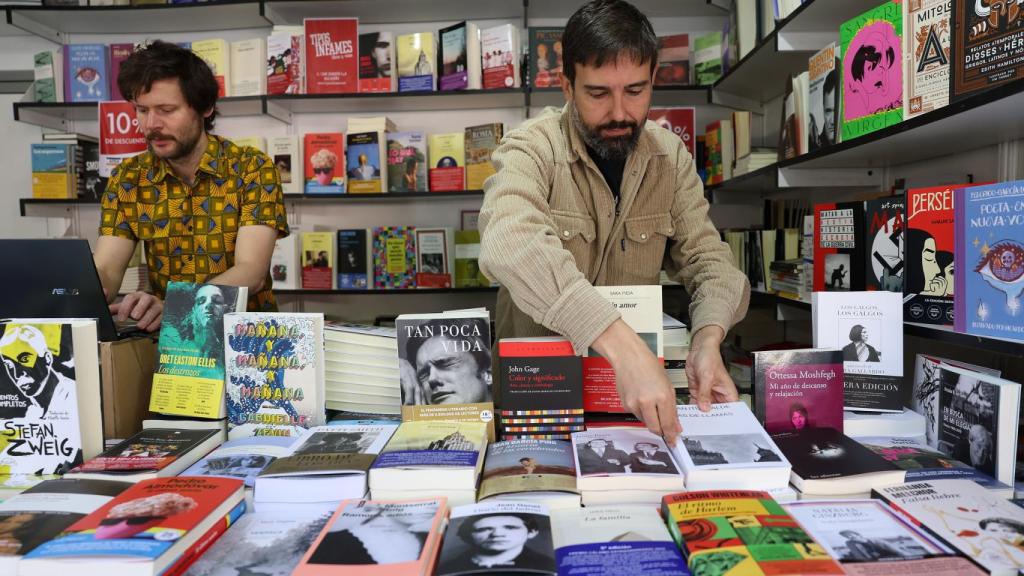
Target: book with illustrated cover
[242,458]
[673,61]
[365,174]
[433,257]
[924,463]
[480,142]
[823,97]
[839,247]
[324,163]
[407,162]
[797,389]
[152,453]
[872,52]
[447,162]
[989,260]
[603,539]
[355,259]
[707,58]
[987,46]
[542,471]
[860,324]
[394,258]
[275,376]
[284,60]
[927,37]
[317,257]
[331,59]
[416,62]
[463,553]
[48,76]
[189,378]
[499,52]
[745,530]
[376,62]
[86,70]
[216,52]
[827,463]
[884,244]
[545,56]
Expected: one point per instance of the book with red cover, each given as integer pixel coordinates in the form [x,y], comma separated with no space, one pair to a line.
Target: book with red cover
[680,121]
[839,247]
[159,526]
[332,56]
[673,61]
[376,59]
[797,389]
[118,54]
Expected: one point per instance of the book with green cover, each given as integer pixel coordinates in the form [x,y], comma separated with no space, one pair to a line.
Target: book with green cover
[707,58]
[872,52]
[467,265]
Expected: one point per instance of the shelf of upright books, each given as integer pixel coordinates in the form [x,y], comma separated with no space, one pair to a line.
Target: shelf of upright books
[293,12]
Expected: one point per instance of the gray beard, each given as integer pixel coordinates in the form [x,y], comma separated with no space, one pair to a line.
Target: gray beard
[613,149]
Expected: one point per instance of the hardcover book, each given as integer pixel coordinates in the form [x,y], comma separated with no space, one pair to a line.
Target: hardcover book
[364,163]
[317,260]
[324,163]
[275,376]
[216,53]
[990,260]
[284,61]
[284,151]
[407,162]
[823,97]
[864,326]
[673,61]
[464,553]
[727,448]
[416,62]
[797,389]
[924,463]
[927,35]
[872,52]
[988,43]
[447,162]
[189,378]
[499,51]
[603,539]
[545,57]
[681,121]
[827,463]
[376,62]
[394,258]
[541,471]
[355,259]
[330,54]
[86,73]
[458,52]
[480,142]
[839,247]
[433,260]
[745,530]
[884,244]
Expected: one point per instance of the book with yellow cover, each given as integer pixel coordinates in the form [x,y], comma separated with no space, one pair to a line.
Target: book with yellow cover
[447,154]
[417,55]
[53,172]
[216,52]
[480,142]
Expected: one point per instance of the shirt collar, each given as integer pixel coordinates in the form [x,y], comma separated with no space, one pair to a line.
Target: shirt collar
[213,161]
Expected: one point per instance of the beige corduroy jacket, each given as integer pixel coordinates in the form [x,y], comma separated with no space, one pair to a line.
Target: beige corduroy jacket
[550,233]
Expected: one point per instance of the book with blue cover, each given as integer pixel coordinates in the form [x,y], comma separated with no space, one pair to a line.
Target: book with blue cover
[86,73]
[989,260]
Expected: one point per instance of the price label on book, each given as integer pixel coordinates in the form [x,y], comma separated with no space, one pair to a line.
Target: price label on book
[120,136]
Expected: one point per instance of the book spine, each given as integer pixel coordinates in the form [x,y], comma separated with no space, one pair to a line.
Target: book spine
[212,535]
[959,260]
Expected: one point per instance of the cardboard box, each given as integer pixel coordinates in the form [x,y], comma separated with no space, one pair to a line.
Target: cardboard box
[126,374]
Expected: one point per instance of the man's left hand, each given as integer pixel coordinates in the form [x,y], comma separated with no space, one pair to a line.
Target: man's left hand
[708,380]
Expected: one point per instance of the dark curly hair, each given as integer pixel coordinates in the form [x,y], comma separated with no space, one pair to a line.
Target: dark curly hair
[161,60]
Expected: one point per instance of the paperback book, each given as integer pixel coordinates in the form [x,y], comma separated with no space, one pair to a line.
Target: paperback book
[603,539]
[540,387]
[827,463]
[987,46]
[394,258]
[376,58]
[433,259]
[707,58]
[86,70]
[151,453]
[317,260]
[467,260]
[416,62]
[363,159]
[324,161]
[624,459]
[839,247]
[118,53]
[924,463]
[673,61]
[459,55]
[545,57]
[407,162]
[242,458]
[284,151]
[542,471]
[927,34]
[872,52]
[48,76]
[284,60]
[331,61]
[499,51]
[467,550]
[480,142]
[447,162]
[355,259]
[216,53]
[823,97]
[797,389]
[884,244]
[924,398]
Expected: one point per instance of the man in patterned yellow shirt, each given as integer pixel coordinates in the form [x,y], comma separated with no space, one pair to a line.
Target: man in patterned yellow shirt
[207,210]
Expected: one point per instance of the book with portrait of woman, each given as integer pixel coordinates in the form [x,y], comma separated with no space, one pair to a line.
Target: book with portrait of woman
[797,389]
[498,538]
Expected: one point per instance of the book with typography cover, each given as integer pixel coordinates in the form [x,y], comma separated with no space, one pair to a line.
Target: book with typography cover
[447,162]
[673,61]
[540,387]
[416,62]
[681,121]
[275,375]
[331,60]
[365,167]
[433,257]
[545,56]
[394,257]
[797,389]
[839,247]
[884,244]
[989,260]
[604,539]
[317,257]
[53,170]
[216,52]
[872,52]
[189,378]
[927,37]
[86,70]
[248,60]
[407,161]
[480,142]
[284,151]
[499,52]
[376,62]
[987,46]
[118,53]
[823,97]
[324,162]
[745,530]
[284,60]
[355,259]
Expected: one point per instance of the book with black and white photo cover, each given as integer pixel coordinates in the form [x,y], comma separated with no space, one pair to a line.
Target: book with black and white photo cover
[447,359]
[49,399]
[242,458]
[827,463]
[434,255]
[825,73]
[407,162]
[884,242]
[641,309]
[43,511]
[604,539]
[151,453]
[980,525]
[978,419]
[497,538]
[727,448]
[329,464]
[796,389]
[439,457]
[275,373]
[867,327]
[745,530]
[378,537]
[190,372]
[458,53]
[924,463]
[355,259]
[376,62]
[869,539]
[924,397]
[264,543]
[625,465]
[540,471]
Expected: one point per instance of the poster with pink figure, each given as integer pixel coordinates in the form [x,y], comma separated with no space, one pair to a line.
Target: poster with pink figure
[872,70]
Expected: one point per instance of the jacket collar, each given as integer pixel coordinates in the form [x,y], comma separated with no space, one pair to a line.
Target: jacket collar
[214,162]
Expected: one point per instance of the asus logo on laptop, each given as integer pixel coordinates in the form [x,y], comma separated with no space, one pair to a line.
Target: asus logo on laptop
[64,292]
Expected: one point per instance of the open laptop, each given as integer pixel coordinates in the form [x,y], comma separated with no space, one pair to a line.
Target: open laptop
[55,278]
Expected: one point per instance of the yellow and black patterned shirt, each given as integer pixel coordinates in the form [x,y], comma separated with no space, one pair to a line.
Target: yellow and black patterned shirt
[190,231]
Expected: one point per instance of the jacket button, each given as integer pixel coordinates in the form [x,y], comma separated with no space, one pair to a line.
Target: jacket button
[643,236]
[565,233]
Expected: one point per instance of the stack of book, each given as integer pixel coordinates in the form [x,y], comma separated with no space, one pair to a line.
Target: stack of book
[361,368]
[136,277]
[623,465]
[757,159]
[787,278]
[677,347]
